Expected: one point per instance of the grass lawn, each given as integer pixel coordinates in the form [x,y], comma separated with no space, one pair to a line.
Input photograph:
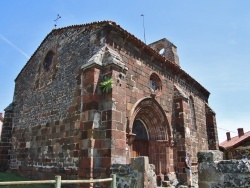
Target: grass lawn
[7,176]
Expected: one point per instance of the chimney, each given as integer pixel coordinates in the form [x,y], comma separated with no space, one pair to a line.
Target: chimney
[228,136]
[240,132]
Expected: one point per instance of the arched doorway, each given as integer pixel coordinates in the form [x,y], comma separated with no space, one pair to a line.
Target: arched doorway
[140,144]
[149,124]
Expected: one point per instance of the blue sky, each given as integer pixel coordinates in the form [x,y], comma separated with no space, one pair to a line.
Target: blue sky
[212,39]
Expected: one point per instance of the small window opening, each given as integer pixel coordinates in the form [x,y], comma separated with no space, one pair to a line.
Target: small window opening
[162,51]
[48,60]
[155,83]
[192,113]
[140,130]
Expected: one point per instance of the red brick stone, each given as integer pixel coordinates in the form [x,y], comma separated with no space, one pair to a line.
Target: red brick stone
[110,125]
[83,153]
[115,134]
[105,152]
[85,162]
[119,152]
[106,162]
[119,144]
[76,153]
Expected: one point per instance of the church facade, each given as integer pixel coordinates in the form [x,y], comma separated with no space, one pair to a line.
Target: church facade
[94,95]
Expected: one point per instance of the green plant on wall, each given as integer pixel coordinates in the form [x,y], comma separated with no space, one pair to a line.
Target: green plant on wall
[107,84]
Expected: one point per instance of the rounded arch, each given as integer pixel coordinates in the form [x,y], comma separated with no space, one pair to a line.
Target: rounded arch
[155,83]
[154,118]
[140,130]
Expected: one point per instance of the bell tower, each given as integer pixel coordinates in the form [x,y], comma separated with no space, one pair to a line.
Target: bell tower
[167,49]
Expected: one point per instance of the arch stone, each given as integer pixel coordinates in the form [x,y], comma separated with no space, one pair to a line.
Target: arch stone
[154,117]
[160,147]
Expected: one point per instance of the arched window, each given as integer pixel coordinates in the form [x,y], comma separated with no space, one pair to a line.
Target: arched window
[155,82]
[192,113]
[46,71]
[140,130]
[48,60]
[162,51]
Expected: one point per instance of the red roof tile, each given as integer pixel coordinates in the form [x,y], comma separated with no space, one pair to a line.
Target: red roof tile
[235,141]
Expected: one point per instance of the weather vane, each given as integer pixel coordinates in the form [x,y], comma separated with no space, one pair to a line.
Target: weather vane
[58,17]
[144,28]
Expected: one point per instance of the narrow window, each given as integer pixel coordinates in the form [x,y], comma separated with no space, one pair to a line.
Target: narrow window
[192,113]
[155,82]
[48,60]
[153,85]
[140,130]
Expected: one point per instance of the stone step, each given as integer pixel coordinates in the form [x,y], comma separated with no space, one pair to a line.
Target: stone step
[165,183]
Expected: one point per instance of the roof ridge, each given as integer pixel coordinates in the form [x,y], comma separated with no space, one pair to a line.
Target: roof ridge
[86,24]
[60,29]
[175,67]
[235,140]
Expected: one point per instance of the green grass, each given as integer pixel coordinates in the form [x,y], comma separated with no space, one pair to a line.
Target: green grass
[7,176]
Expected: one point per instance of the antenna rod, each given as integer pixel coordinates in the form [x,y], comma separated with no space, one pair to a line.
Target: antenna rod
[143,27]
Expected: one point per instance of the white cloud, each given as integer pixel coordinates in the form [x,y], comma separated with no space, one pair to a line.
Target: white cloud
[14,46]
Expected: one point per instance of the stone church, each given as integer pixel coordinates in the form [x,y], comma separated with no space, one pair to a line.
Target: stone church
[93,96]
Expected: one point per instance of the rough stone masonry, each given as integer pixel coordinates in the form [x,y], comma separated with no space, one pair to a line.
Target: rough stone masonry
[214,172]
[63,122]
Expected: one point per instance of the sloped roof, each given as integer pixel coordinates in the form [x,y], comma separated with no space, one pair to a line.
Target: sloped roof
[143,47]
[10,107]
[235,141]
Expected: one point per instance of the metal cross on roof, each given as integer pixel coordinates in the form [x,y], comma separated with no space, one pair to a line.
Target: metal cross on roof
[58,17]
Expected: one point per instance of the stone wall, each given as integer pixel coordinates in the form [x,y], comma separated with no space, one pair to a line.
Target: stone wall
[138,174]
[216,173]
[5,144]
[191,135]
[180,135]
[50,108]
[238,152]
[167,49]
[64,123]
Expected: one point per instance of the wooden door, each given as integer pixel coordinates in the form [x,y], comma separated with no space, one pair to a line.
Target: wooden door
[140,144]
[140,148]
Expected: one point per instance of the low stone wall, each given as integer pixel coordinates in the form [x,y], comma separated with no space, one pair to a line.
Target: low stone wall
[215,173]
[138,174]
